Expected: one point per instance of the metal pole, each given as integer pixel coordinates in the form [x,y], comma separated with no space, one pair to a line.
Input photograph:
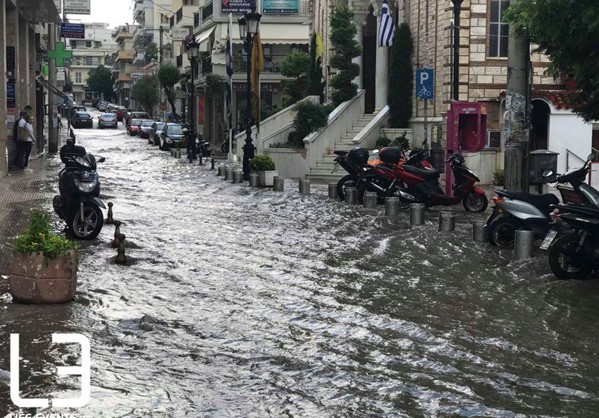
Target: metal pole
[248,148]
[191,139]
[425,124]
[52,135]
[456,48]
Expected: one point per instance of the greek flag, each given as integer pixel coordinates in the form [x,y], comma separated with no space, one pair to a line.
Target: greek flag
[229,69]
[387,28]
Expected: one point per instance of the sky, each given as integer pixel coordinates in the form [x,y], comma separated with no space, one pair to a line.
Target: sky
[113,12]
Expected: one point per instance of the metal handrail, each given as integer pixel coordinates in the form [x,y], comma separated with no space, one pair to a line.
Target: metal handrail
[568,152]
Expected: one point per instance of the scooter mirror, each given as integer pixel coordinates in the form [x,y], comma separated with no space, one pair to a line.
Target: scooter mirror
[591,156]
[101,160]
[547,173]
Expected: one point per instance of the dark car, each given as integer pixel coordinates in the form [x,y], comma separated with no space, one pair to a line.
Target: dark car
[76,108]
[133,126]
[145,127]
[82,120]
[155,131]
[107,120]
[135,115]
[102,105]
[172,133]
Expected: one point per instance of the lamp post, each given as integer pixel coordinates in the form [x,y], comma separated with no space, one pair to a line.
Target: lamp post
[193,49]
[248,28]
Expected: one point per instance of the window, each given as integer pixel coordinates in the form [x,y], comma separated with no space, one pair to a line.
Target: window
[493,139]
[88,44]
[97,44]
[89,60]
[77,77]
[498,29]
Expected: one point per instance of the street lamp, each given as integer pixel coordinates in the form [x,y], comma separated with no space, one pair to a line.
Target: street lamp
[248,27]
[193,49]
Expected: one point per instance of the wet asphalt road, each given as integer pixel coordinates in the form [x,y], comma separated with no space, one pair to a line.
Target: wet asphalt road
[251,303]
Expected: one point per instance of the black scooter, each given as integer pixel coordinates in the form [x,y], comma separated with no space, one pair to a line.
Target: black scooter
[79,203]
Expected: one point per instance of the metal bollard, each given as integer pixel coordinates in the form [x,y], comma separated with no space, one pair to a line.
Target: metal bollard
[221,170]
[370,200]
[178,154]
[228,173]
[351,195]
[479,232]
[237,176]
[121,258]
[416,214]
[117,231]
[212,163]
[254,180]
[109,218]
[279,184]
[304,186]
[524,244]
[201,159]
[333,191]
[172,151]
[392,206]
[446,221]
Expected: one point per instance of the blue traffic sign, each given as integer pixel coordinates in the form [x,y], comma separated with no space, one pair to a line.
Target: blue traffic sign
[425,83]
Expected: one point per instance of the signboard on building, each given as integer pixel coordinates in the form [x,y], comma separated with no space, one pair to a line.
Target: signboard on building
[72,30]
[179,34]
[280,6]
[236,6]
[60,76]
[139,73]
[180,94]
[77,7]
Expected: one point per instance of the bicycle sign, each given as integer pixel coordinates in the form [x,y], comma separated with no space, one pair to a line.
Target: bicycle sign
[425,83]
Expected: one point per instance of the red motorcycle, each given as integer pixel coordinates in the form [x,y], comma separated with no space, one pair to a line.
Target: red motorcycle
[418,178]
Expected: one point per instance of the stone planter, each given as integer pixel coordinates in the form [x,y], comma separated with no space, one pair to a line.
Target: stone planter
[267,178]
[35,279]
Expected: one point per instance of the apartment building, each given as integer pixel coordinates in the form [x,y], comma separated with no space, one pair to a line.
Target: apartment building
[123,63]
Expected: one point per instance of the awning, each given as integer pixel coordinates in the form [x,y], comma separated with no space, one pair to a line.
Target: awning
[205,36]
[51,88]
[280,33]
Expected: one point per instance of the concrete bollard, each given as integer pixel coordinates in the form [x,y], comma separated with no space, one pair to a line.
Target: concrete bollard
[392,206]
[279,184]
[237,176]
[121,258]
[370,200]
[524,244]
[351,195]
[117,231]
[172,151]
[178,154]
[228,173]
[109,217]
[446,221]
[333,191]
[304,186]
[416,214]
[254,180]
[220,170]
[479,232]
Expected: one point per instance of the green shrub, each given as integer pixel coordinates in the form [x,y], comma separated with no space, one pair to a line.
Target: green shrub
[382,142]
[38,238]
[498,178]
[310,117]
[262,163]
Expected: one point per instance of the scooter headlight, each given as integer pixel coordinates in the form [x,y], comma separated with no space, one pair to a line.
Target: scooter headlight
[86,186]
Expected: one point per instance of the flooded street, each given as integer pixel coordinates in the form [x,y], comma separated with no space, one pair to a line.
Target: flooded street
[251,303]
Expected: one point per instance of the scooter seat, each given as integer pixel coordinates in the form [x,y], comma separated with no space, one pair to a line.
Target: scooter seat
[340,153]
[427,174]
[541,201]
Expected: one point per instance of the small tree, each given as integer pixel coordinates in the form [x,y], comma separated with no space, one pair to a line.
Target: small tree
[100,79]
[296,65]
[68,85]
[168,76]
[401,82]
[147,92]
[310,117]
[151,52]
[343,31]
[316,86]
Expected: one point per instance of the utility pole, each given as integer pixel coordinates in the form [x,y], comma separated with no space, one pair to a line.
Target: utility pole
[52,134]
[515,125]
[457,5]
[161,47]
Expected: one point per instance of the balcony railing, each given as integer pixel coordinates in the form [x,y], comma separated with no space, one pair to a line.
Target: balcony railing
[179,14]
[196,19]
[272,64]
[179,60]
[207,11]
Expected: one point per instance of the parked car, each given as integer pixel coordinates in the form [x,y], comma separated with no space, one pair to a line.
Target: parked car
[155,131]
[82,119]
[144,128]
[107,120]
[133,127]
[172,133]
[120,113]
[96,102]
[102,106]
[76,108]
[135,115]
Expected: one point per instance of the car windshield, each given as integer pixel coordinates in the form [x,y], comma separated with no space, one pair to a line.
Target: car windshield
[82,115]
[147,122]
[174,130]
[107,116]
[160,125]
[135,122]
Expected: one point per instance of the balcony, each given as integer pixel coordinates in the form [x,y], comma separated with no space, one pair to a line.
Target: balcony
[272,64]
[184,17]
[124,56]
[207,11]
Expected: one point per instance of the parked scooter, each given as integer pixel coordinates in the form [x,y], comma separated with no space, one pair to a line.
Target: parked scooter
[355,162]
[79,204]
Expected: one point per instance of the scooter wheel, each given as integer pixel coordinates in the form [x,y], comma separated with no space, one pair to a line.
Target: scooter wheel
[90,226]
[346,181]
[564,264]
[502,232]
[475,203]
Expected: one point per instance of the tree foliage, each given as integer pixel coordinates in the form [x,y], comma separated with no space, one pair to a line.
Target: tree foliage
[568,32]
[168,76]
[146,92]
[100,79]
[68,85]
[316,85]
[296,65]
[346,48]
[151,52]
[401,83]
[310,117]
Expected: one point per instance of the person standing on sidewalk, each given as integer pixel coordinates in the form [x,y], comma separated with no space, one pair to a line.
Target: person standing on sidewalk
[30,140]
[19,125]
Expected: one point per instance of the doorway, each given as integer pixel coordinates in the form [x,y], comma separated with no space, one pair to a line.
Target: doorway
[369,48]
[540,125]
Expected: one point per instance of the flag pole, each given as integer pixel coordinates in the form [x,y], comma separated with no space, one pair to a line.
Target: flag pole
[230,155]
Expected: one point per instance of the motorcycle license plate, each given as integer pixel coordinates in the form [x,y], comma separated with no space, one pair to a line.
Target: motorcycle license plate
[548,239]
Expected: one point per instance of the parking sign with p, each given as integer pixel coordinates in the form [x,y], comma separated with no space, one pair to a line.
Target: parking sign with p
[425,83]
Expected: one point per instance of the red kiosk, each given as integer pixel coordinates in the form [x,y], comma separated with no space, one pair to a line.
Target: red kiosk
[466,132]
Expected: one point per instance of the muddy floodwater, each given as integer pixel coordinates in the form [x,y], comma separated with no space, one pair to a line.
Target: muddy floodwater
[251,303]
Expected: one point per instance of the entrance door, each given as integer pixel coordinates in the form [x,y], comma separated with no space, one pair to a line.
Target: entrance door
[540,125]
[369,61]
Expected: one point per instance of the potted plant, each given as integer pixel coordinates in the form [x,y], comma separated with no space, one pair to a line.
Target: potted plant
[265,167]
[44,265]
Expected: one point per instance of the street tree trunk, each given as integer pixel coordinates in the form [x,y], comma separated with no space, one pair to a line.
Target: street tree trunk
[515,128]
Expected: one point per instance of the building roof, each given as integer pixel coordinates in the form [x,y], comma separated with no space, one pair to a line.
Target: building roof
[561,100]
